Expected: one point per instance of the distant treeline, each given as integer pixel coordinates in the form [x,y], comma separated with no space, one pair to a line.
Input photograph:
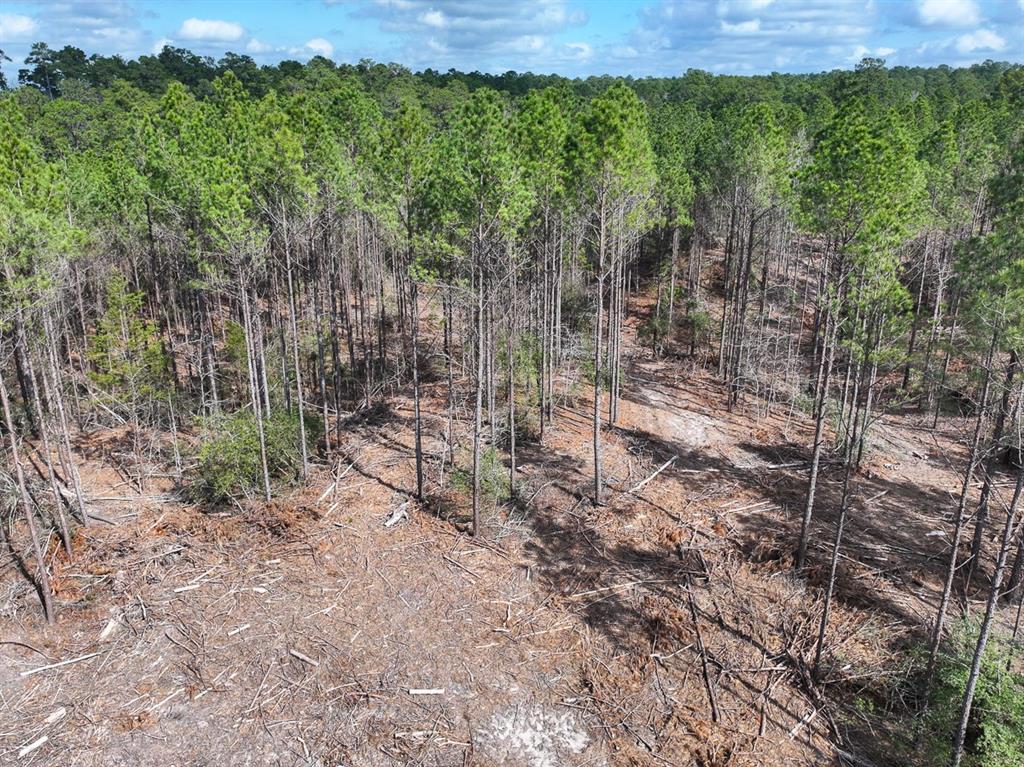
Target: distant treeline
[47,69]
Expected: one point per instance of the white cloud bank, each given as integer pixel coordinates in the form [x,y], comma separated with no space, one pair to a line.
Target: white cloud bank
[14,26]
[982,40]
[951,13]
[210,30]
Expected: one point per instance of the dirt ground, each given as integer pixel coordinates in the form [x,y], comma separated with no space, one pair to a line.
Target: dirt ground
[664,628]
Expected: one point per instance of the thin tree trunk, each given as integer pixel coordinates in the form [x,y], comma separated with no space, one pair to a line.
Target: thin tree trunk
[478,413]
[986,623]
[824,379]
[43,578]
[981,517]
[958,527]
[599,310]
[293,321]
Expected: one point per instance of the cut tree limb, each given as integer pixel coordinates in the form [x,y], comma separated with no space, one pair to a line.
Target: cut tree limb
[660,469]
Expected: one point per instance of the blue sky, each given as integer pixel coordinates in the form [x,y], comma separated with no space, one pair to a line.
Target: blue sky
[571,37]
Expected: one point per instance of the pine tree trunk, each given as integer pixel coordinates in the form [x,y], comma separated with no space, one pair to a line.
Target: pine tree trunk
[417,420]
[42,577]
[821,410]
[293,322]
[958,526]
[254,389]
[981,516]
[1009,529]
[478,413]
[598,312]
[833,565]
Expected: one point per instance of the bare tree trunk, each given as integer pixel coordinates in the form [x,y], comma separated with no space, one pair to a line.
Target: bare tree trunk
[295,345]
[478,415]
[917,313]
[599,311]
[981,517]
[257,404]
[64,447]
[415,325]
[672,278]
[986,623]
[833,564]
[958,529]
[44,428]
[43,578]
[824,379]
[511,412]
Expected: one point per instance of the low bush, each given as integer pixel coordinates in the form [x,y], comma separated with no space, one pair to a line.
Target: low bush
[229,457]
[995,732]
[493,478]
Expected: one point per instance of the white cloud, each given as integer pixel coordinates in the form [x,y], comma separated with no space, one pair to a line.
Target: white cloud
[747,36]
[860,51]
[753,26]
[437,20]
[981,40]
[211,30]
[159,45]
[579,51]
[256,46]
[469,34]
[741,7]
[14,26]
[320,47]
[952,13]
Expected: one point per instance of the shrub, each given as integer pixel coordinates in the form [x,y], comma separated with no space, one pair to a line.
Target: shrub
[526,362]
[995,734]
[493,478]
[229,458]
[128,359]
[695,325]
[654,329]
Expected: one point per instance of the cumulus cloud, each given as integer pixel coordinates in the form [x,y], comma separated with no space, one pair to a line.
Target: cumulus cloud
[320,47]
[579,51]
[14,26]
[980,40]
[470,34]
[749,35]
[255,46]
[437,20]
[952,13]
[108,27]
[860,51]
[210,30]
[159,45]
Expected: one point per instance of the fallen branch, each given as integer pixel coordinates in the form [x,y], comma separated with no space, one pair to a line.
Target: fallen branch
[712,699]
[304,658]
[67,662]
[660,469]
[397,515]
[25,751]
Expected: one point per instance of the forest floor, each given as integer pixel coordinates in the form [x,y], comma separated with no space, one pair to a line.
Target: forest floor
[664,628]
